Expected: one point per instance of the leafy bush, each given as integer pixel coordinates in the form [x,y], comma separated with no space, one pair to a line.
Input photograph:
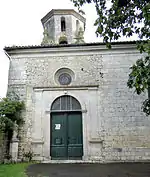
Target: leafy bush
[28,155]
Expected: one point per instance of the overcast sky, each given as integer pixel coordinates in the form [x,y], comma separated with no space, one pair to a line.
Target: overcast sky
[20,24]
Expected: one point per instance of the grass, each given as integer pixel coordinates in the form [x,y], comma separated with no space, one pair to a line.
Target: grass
[13,170]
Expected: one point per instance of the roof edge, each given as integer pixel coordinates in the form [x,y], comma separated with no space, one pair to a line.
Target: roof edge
[66,45]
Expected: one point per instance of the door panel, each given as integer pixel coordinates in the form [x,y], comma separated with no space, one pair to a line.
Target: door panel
[75,146]
[66,136]
[59,135]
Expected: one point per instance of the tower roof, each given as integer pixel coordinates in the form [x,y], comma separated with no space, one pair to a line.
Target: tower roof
[62,12]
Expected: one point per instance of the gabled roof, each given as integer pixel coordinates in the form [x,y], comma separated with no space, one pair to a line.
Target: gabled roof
[62,12]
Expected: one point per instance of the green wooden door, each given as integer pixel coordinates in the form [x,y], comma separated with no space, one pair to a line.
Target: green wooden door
[66,136]
[59,136]
[75,145]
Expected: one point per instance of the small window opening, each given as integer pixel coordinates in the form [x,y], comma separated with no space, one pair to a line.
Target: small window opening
[63,42]
[63,24]
[77,25]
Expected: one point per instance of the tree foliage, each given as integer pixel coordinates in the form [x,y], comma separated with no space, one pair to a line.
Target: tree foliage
[117,18]
[10,113]
[139,79]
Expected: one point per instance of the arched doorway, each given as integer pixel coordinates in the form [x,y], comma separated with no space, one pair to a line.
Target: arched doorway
[66,129]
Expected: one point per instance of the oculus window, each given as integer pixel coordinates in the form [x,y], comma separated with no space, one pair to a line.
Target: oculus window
[64,76]
[64,79]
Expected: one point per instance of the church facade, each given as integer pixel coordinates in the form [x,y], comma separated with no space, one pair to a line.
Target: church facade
[78,106]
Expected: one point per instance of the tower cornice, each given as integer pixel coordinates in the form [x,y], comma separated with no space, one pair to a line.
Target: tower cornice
[62,12]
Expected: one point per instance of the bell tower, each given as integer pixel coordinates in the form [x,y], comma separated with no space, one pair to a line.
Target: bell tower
[62,26]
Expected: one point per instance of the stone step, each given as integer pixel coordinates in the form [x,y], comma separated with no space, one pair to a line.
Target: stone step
[68,161]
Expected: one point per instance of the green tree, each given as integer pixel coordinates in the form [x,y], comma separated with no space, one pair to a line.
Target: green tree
[117,18]
[10,114]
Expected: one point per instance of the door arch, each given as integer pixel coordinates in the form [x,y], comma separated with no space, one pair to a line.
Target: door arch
[66,128]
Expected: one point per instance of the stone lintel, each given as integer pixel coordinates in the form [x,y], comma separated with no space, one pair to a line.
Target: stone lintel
[55,88]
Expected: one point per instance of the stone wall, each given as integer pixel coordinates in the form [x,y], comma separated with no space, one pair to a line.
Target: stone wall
[41,71]
[125,128]
[50,26]
[115,129]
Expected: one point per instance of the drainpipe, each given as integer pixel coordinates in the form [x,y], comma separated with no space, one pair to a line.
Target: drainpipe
[7,55]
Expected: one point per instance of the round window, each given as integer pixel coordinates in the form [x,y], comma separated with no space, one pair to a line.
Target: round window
[64,79]
[64,76]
